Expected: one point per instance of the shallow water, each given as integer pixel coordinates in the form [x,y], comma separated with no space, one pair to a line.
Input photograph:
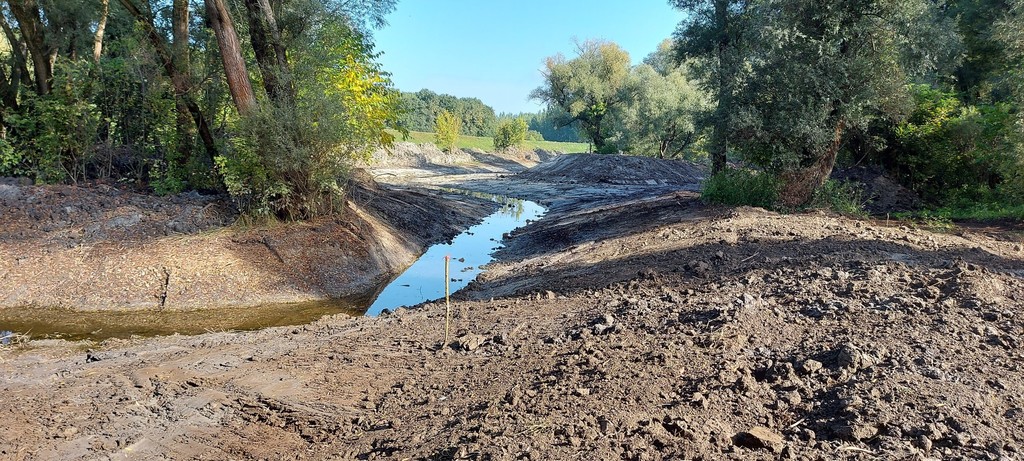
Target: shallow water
[423,281]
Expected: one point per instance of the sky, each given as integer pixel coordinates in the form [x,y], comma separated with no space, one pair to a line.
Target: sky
[494,50]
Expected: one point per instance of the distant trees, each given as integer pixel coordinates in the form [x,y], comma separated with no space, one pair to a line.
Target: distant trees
[510,133]
[650,109]
[587,87]
[422,108]
[446,130]
[662,105]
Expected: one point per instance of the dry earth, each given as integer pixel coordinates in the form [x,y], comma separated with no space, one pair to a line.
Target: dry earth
[631,322]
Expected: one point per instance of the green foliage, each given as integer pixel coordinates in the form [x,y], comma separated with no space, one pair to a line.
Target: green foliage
[840,196]
[659,113]
[586,87]
[420,111]
[446,130]
[287,160]
[511,133]
[554,125]
[54,135]
[949,152]
[733,187]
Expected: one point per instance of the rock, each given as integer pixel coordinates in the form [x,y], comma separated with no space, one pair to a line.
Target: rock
[811,366]
[605,325]
[759,437]
[849,357]
[549,294]
[923,442]
[698,267]
[469,342]
[855,431]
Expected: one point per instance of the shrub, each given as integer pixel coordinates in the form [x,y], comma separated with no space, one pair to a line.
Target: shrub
[843,197]
[288,160]
[511,132]
[446,130]
[742,187]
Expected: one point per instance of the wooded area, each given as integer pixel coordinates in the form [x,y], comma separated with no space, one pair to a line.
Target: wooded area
[161,93]
[929,91]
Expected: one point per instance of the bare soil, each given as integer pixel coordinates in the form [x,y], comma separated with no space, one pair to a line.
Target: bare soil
[631,322]
[103,248]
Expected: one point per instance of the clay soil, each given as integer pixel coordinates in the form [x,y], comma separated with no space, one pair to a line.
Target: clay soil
[631,322]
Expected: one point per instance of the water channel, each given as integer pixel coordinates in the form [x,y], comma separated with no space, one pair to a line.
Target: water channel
[423,281]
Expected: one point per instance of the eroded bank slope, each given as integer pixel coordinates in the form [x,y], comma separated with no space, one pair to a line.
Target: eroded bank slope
[96,248]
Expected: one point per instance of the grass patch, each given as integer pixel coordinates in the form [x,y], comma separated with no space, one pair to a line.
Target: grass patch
[842,197]
[487,144]
[971,212]
[741,187]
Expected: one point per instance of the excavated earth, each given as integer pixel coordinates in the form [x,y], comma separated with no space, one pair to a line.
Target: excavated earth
[631,322]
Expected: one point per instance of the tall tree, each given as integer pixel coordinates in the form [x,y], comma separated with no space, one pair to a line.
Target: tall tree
[586,87]
[821,68]
[715,34]
[231,55]
[174,60]
[271,54]
[40,48]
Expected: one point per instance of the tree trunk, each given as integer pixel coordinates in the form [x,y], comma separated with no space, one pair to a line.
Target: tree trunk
[798,187]
[270,52]
[101,27]
[231,55]
[19,68]
[720,130]
[26,12]
[179,80]
[183,67]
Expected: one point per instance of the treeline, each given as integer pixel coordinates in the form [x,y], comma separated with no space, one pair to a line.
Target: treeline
[420,111]
[929,91]
[269,100]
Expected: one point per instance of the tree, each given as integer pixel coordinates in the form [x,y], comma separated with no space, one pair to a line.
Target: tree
[511,133]
[821,69]
[586,87]
[446,130]
[231,56]
[715,34]
[663,105]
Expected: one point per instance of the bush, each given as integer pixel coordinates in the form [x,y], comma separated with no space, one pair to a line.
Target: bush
[742,187]
[287,160]
[511,133]
[446,130]
[843,197]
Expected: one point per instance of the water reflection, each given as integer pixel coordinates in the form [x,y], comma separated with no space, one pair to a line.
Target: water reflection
[424,280]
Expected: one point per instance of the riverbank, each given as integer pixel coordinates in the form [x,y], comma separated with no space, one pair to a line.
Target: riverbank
[630,322]
[102,248]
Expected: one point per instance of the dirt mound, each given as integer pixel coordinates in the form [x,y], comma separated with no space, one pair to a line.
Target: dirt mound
[882,193]
[73,215]
[616,169]
[407,154]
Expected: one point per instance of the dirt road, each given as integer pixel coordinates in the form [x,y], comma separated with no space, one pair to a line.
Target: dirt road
[631,322]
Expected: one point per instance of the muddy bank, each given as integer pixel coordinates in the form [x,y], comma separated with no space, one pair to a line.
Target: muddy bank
[629,323]
[98,248]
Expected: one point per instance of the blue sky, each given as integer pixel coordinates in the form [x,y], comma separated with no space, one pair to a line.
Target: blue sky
[494,50]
